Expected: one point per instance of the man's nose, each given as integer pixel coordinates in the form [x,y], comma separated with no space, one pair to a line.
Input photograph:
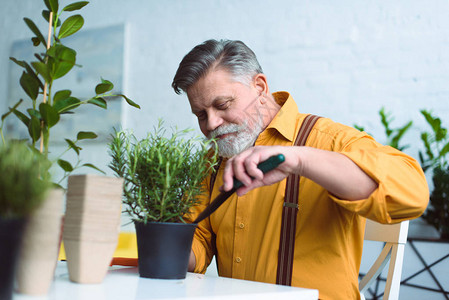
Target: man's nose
[213,121]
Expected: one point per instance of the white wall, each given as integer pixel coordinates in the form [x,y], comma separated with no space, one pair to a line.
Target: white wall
[340,59]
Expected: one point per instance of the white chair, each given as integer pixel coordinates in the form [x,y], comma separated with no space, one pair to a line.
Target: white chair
[394,236]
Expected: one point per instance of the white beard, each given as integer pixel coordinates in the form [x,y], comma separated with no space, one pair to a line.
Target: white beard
[241,139]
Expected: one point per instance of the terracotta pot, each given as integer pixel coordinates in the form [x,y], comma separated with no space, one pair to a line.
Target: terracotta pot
[40,247]
[164,249]
[11,231]
[91,225]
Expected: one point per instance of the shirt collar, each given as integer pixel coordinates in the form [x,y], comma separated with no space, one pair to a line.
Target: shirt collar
[286,118]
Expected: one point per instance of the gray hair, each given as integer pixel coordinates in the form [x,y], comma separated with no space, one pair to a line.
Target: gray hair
[233,56]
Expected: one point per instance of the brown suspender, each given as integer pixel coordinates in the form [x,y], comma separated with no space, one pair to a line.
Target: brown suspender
[290,212]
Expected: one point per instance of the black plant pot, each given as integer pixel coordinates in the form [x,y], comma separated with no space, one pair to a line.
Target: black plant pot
[11,232]
[164,249]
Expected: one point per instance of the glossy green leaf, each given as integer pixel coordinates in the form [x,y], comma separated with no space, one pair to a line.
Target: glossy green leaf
[65,165]
[39,57]
[34,75]
[30,85]
[54,5]
[29,70]
[445,150]
[66,105]
[75,6]
[42,69]
[84,135]
[22,117]
[47,4]
[73,146]
[130,102]
[61,95]
[52,50]
[442,133]
[65,60]
[98,102]
[103,87]
[34,128]
[11,110]
[34,113]
[57,186]
[49,114]
[35,41]
[35,30]
[425,139]
[70,26]
[21,63]
[46,15]
[93,167]
[430,120]
[438,131]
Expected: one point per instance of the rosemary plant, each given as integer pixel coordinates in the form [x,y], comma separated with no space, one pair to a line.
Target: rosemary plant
[163,175]
[21,189]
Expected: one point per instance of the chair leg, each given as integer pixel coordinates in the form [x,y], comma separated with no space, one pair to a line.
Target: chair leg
[394,273]
[376,268]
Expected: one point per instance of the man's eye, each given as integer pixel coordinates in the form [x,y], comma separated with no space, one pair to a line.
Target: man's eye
[201,116]
[223,105]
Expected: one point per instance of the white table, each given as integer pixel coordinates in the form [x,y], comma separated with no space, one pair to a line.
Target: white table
[124,283]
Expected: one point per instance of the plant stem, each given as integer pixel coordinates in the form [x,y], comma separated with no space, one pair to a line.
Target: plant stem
[50,24]
[3,137]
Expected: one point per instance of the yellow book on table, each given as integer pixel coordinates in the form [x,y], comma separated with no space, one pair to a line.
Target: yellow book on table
[125,254]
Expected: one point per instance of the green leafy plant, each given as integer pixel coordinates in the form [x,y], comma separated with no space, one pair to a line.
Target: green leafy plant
[21,187]
[437,214]
[435,158]
[436,143]
[163,176]
[394,135]
[53,61]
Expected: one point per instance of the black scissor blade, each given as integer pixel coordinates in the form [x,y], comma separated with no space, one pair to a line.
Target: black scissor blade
[214,205]
[265,166]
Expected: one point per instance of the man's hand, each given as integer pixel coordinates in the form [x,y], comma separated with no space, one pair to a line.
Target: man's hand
[333,171]
[192,262]
[244,166]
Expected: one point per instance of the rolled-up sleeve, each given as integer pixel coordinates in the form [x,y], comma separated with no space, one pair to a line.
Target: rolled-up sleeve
[402,191]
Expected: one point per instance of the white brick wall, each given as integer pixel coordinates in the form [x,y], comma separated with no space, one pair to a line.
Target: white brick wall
[341,59]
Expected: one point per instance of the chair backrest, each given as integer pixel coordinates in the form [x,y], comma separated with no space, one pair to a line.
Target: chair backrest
[395,237]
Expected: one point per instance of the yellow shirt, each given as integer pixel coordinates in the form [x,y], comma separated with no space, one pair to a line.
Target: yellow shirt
[244,232]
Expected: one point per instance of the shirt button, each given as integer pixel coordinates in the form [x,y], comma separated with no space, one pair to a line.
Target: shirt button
[241,225]
[238,259]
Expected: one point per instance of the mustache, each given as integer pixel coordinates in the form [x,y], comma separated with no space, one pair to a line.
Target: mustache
[225,129]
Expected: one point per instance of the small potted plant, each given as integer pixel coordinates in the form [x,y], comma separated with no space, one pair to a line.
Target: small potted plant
[163,177]
[435,158]
[21,191]
[41,111]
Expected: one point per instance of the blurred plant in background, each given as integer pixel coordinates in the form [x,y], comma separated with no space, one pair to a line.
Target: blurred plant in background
[393,135]
[435,158]
[22,188]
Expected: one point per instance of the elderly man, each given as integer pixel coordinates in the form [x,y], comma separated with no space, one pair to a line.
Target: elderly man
[346,177]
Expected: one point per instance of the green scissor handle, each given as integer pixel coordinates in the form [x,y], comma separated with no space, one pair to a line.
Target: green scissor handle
[265,166]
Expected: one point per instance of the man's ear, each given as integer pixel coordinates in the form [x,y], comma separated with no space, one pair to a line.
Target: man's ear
[261,84]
